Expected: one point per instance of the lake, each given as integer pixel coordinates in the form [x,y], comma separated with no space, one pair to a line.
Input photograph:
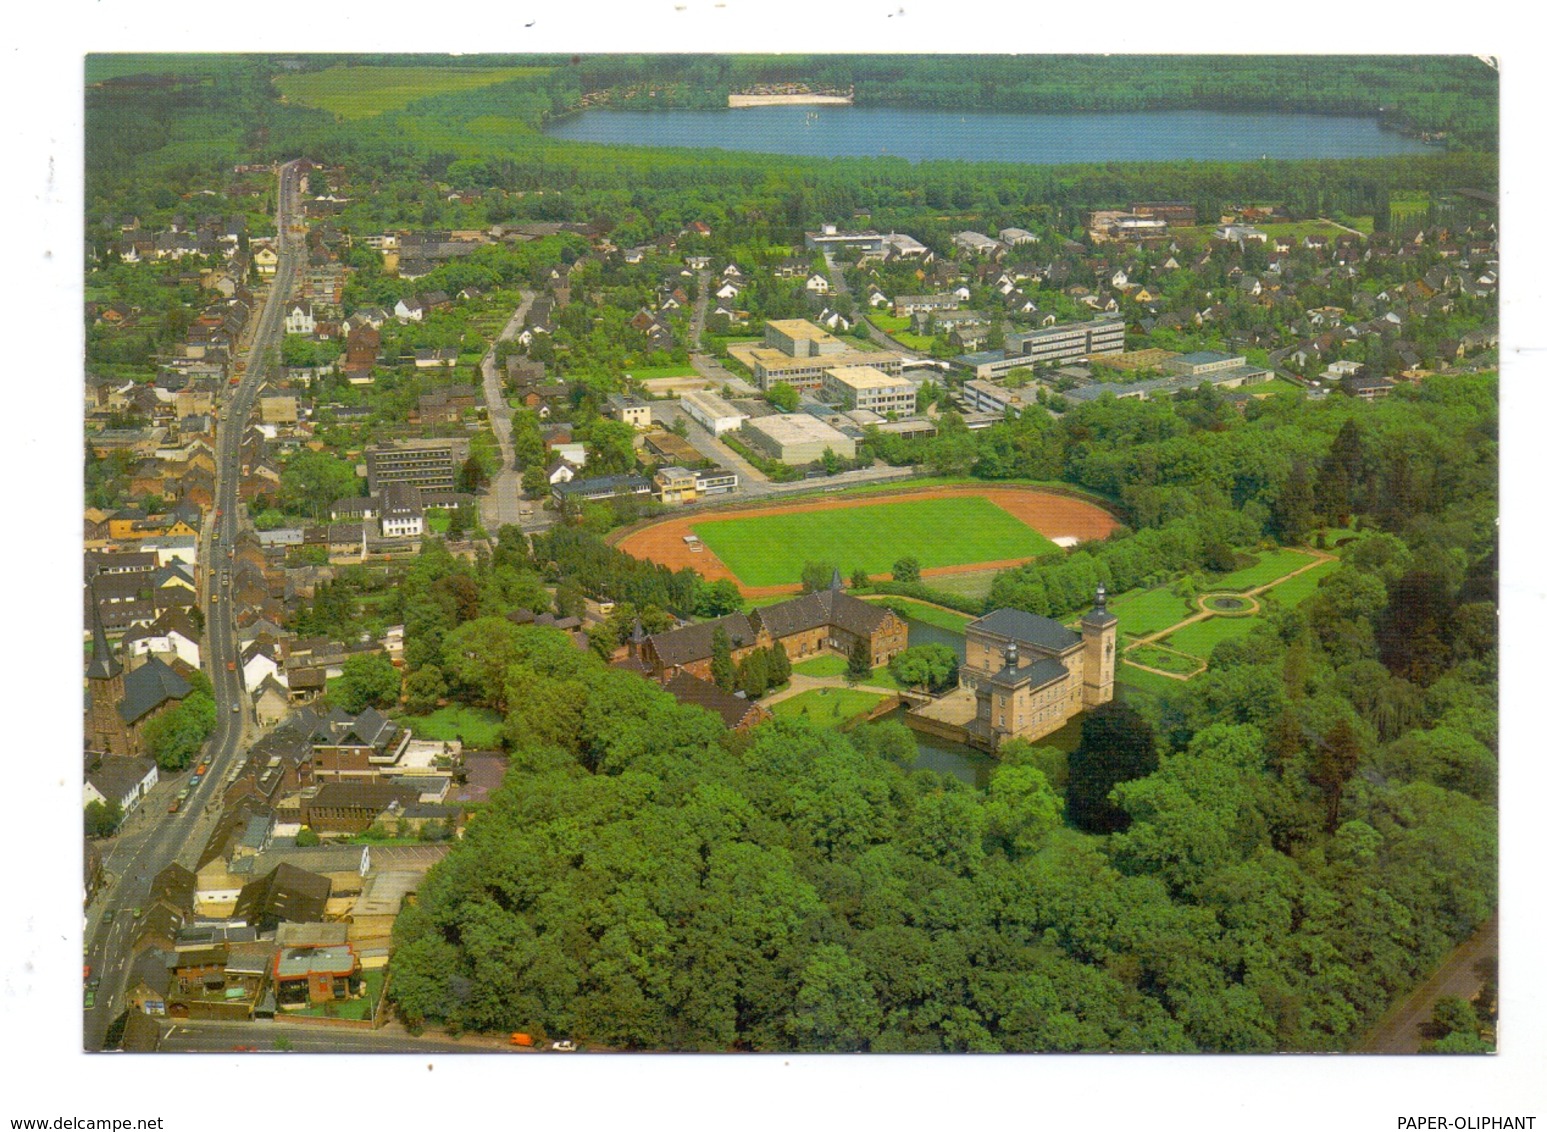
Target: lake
[1037,139]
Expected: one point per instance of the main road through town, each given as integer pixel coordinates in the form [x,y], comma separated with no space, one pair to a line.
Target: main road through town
[502,504]
[153,839]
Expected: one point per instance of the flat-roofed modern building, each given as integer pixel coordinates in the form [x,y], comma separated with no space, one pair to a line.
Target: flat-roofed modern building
[797,438]
[770,367]
[712,411]
[986,397]
[865,387]
[831,237]
[796,352]
[1201,362]
[675,485]
[715,481]
[430,465]
[799,338]
[1067,342]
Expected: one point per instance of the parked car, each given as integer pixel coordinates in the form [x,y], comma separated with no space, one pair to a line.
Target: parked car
[107,917]
[91,999]
[565,1046]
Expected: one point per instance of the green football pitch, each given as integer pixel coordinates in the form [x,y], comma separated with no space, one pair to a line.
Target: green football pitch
[770,550]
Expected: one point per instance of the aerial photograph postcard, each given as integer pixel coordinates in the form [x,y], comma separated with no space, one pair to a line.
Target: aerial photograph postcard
[684,553]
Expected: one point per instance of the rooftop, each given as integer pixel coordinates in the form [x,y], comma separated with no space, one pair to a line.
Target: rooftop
[865,377]
[1042,633]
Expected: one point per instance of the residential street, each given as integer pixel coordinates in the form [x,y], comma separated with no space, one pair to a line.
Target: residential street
[502,503]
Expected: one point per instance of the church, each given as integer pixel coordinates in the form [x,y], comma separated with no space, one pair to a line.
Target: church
[120,705]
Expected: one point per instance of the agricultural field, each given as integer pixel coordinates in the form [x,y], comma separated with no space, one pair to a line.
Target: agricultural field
[975,584]
[1274,564]
[363,92]
[770,550]
[1200,637]
[827,707]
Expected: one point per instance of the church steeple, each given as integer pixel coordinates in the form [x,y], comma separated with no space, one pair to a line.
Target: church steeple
[104,666]
[105,730]
[837,583]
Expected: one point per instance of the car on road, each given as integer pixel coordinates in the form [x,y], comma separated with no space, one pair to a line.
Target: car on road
[230,666]
[176,804]
[203,768]
[182,795]
[94,982]
[91,999]
[235,708]
[107,917]
[564,1047]
[86,973]
[195,780]
[137,912]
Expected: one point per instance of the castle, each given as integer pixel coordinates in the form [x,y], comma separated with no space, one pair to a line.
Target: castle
[1024,677]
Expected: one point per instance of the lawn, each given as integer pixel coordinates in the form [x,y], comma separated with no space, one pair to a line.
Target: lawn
[771,550]
[1291,593]
[438,519]
[478,728]
[1200,637]
[357,1008]
[1133,677]
[1164,659]
[1140,613]
[829,665]
[891,323]
[648,373]
[361,92]
[928,614]
[1273,564]
[827,707]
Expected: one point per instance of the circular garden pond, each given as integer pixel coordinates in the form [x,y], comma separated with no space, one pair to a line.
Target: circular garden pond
[1227,605]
